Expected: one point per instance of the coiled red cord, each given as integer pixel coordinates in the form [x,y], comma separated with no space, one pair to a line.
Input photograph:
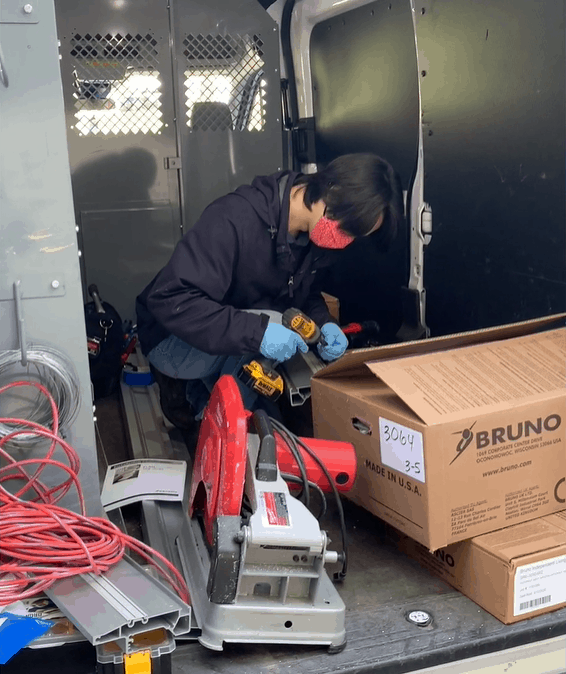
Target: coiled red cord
[41,542]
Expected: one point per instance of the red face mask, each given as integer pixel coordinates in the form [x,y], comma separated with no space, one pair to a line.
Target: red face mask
[326,234]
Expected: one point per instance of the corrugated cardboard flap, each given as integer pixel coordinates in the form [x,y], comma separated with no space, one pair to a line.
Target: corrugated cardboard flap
[457,384]
[353,360]
[559,519]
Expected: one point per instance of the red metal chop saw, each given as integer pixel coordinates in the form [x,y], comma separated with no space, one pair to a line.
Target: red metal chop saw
[252,553]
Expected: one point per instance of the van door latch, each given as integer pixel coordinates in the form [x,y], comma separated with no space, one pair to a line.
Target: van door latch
[426,224]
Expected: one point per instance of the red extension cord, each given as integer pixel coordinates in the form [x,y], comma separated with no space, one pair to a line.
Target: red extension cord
[41,542]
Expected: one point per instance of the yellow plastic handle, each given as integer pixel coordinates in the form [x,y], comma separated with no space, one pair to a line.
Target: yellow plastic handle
[137,663]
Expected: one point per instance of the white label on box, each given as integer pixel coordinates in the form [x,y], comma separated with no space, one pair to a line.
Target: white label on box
[402,449]
[540,585]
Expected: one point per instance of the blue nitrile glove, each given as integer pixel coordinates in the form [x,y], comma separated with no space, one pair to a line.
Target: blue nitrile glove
[279,343]
[336,342]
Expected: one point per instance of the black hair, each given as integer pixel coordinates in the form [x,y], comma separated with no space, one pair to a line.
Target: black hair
[357,189]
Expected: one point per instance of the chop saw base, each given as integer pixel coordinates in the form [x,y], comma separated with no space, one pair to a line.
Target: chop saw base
[259,619]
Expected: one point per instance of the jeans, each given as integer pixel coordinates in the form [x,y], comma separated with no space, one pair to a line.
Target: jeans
[179,360]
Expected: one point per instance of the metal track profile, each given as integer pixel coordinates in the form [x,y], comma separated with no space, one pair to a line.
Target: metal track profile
[147,428]
[297,373]
[151,436]
[101,607]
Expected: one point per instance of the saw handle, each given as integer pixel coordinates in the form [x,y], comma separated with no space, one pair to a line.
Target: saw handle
[93,292]
[266,468]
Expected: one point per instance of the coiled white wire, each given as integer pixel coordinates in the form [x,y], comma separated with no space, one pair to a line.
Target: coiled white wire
[56,372]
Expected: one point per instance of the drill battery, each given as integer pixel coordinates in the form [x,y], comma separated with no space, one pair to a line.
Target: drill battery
[261,377]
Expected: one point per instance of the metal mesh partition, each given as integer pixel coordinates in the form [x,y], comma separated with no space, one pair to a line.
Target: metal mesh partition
[117,84]
[165,104]
[224,85]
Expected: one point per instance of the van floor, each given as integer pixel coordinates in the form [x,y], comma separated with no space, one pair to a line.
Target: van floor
[382,586]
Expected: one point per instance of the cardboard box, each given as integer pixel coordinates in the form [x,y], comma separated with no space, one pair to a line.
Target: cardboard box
[514,573]
[333,305]
[455,436]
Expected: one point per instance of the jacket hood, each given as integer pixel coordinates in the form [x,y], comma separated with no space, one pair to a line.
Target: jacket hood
[263,196]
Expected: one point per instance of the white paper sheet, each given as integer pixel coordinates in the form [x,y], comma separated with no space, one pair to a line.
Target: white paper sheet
[143,479]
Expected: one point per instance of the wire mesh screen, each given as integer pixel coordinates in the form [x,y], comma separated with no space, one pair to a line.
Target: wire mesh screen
[117,84]
[224,85]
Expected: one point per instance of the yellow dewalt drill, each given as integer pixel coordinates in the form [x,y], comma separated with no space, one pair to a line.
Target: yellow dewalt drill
[260,375]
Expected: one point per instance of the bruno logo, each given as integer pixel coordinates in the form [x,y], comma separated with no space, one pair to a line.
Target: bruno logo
[445,557]
[503,434]
[560,489]
[465,441]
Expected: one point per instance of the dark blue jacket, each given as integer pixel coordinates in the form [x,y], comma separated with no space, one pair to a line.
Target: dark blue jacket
[237,256]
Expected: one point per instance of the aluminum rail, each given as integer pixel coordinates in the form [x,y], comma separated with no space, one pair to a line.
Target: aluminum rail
[118,604]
